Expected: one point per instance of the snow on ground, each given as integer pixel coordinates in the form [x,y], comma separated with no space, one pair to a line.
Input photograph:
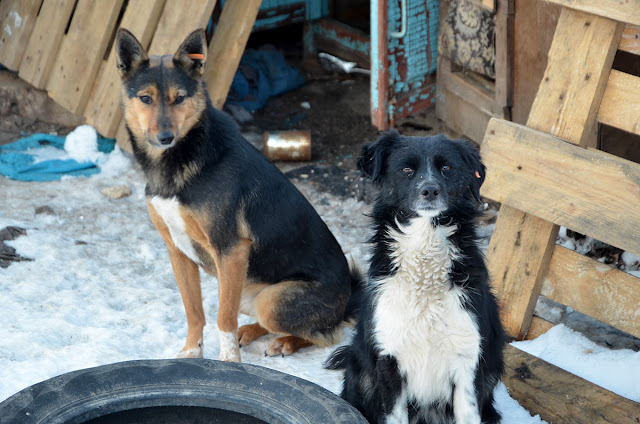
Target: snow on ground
[100,290]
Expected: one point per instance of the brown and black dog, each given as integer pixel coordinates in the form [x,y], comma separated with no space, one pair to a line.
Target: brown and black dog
[220,204]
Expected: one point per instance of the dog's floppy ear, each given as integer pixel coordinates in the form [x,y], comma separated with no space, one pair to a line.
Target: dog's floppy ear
[477,170]
[192,54]
[130,55]
[373,155]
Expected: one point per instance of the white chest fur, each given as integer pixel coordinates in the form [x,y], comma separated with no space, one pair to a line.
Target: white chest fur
[418,316]
[169,211]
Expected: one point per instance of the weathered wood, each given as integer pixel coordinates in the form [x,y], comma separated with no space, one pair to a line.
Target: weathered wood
[561,397]
[505,19]
[580,59]
[595,289]
[17,18]
[538,327]
[534,26]
[179,19]
[457,84]
[517,254]
[44,42]
[103,108]
[81,53]
[630,40]
[623,11]
[620,105]
[588,191]
[227,47]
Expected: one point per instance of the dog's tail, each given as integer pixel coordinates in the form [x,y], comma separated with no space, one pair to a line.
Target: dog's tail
[357,293]
[339,358]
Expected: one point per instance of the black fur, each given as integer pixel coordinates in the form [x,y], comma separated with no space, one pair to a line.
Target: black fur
[231,177]
[373,381]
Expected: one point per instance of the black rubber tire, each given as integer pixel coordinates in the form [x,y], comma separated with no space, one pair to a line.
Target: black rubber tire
[250,390]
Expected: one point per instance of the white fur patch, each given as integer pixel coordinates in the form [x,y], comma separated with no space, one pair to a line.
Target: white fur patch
[169,211]
[419,320]
[196,352]
[229,348]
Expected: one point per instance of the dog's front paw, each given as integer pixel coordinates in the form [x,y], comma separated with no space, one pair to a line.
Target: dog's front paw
[191,351]
[229,349]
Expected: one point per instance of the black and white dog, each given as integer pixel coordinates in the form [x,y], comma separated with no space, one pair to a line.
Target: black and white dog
[428,343]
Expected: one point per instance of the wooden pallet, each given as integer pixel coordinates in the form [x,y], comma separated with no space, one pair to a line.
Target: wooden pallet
[66,47]
[545,175]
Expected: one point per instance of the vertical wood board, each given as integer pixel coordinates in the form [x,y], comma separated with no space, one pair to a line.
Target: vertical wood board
[17,18]
[518,258]
[40,53]
[227,46]
[103,108]
[81,53]
[580,59]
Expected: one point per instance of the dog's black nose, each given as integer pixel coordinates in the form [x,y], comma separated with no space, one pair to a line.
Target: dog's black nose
[430,191]
[165,137]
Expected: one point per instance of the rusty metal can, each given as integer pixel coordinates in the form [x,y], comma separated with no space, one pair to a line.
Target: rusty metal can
[289,145]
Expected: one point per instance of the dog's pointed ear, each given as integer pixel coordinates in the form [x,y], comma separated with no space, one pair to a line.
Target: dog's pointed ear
[373,156]
[130,55]
[192,54]
[473,161]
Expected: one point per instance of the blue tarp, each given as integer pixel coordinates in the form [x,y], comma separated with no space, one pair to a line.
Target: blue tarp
[17,164]
[262,74]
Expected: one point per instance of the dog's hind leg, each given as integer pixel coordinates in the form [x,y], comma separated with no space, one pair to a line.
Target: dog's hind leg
[250,332]
[303,312]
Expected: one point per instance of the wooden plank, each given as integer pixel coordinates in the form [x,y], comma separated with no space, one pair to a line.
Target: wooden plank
[630,40]
[103,108]
[588,191]
[457,84]
[17,18]
[517,253]
[227,47]
[580,59]
[620,105]
[533,30]
[44,43]
[595,289]
[538,327]
[561,397]
[179,19]
[81,53]
[504,37]
[623,11]
[379,88]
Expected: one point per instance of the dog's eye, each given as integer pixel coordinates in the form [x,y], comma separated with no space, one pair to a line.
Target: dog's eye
[445,168]
[146,99]
[178,100]
[407,170]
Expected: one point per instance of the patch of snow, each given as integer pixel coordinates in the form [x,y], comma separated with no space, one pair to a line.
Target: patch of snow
[82,145]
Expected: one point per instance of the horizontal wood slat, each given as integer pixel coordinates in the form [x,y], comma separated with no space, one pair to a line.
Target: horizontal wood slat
[595,289]
[627,11]
[561,397]
[620,106]
[630,41]
[589,192]
[41,51]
